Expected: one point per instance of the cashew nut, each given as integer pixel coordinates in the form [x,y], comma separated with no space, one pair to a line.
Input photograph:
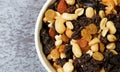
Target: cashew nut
[68,16]
[59,25]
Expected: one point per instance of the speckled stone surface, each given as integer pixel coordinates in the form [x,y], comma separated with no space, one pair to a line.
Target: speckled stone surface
[17,47]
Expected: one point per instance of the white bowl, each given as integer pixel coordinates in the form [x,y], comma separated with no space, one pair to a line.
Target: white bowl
[38,44]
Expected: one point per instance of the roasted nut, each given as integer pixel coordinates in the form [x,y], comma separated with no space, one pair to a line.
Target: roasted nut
[60,70]
[94,41]
[70,2]
[68,67]
[110,25]
[68,33]
[98,56]
[50,15]
[91,28]
[111,46]
[94,47]
[76,50]
[114,52]
[102,70]
[101,13]
[69,25]
[62,55]
[111,38]
[58,42]
[102,47]
[58,37]
[54,54]
[79,11]
[90,52]
[104,32]
[68,16]
[73,41]
[116,2]
[103,23]
[59,25]
[90,12]
[65,38]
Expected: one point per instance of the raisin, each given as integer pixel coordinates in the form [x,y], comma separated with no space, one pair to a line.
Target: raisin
[68,51]
[76,25]
[96,19]
[77,34]
[115,60]
[104,40]
[61,62]
[117,46]
[77,65]
[71,9]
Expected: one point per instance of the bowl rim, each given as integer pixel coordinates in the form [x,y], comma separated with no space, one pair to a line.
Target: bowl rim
[38,44]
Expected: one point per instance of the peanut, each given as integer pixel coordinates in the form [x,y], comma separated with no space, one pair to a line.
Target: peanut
[60,70]
[98,56]
[90,52]
[102,70]
[111,46]
[68,67]
[58,37]
[90,12]
[111,38]
[103,23]
[69,25]
[114,52]
[68,16]
[59,25]
[58,42]
[70,2]
[111,27]
[101,13]
[62,55]
[79,11]
[94,47]
[76,50]
[94,41]
[104,32]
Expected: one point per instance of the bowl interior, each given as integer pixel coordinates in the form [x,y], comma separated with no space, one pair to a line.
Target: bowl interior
[38,44]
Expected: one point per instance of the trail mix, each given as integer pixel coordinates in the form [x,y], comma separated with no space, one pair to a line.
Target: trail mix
[82,35]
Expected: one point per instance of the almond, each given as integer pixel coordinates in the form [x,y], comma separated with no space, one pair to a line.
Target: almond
[62,6]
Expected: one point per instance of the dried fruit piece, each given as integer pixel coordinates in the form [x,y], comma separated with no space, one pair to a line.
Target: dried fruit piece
[98,56]
[54,54]
[86,35]
[62,48]
[85,49]
[50,15]
[65,38]
[82,42]
[52,32]
[102,47]
[91,28]
[61,8]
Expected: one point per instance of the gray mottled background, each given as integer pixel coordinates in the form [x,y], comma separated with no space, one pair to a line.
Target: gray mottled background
[17,24]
